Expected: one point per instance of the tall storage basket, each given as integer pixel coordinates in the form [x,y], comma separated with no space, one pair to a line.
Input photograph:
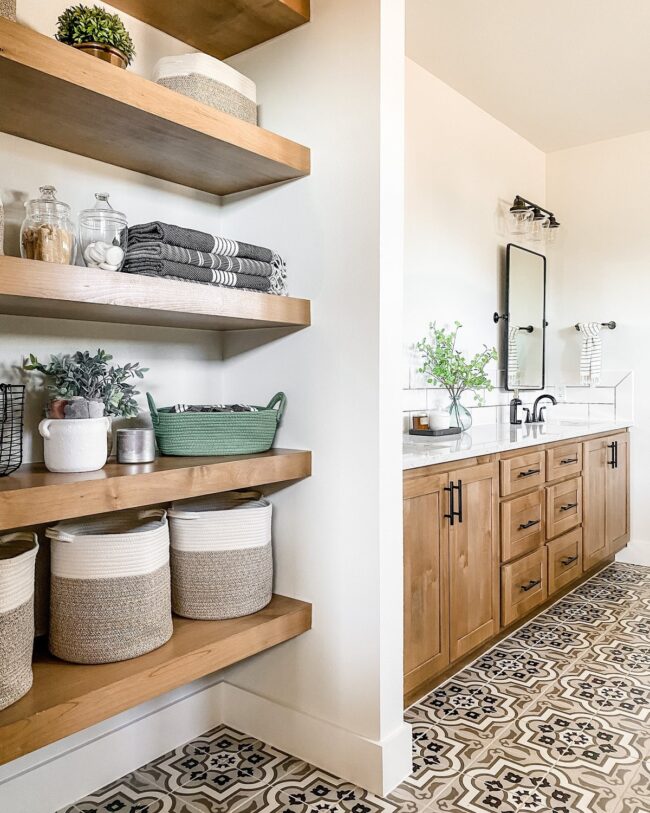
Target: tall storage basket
[110,596]
[221,557]
[17,562]
[217,433]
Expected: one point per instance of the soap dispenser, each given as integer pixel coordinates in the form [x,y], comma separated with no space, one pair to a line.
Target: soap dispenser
[515,420]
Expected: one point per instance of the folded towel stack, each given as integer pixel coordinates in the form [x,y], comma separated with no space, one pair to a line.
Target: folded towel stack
[161,250]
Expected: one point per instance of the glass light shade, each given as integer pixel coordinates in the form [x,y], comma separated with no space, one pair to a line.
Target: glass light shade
[519,221]
[538,228]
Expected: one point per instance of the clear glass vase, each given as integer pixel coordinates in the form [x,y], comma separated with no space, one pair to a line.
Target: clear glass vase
[459,415]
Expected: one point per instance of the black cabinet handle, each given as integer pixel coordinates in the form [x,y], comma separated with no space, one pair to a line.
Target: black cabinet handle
[528,473]
[453,513]
[613,462]
[569,560]
[532,583]
[568,506]
[568,460]
[528,524]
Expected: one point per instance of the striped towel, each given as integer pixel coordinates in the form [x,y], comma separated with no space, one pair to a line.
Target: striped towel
[513,358]
[591,353]
[156,250]
[214,408]
[167,268]
[196,240]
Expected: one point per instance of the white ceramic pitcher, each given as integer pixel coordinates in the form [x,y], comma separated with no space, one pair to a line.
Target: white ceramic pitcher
[75,444]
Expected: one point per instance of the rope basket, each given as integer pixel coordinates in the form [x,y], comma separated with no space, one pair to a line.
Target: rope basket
[110,596]
[221,556]
[195,434]
[17,562]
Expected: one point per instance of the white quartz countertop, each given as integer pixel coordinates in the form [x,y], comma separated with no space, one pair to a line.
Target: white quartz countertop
[419,450]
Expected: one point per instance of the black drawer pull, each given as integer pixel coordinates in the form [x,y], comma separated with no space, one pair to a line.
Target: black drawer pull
[568,506]
[532,583]
[569,560]
[568,460]
[528,524]
[528,473]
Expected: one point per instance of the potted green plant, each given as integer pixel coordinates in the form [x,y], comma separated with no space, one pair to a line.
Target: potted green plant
[447,367]
[97,32]
[86,391]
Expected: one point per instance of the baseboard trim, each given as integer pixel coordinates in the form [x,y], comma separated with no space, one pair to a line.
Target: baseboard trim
[67,770]
[635,553]
[375,765]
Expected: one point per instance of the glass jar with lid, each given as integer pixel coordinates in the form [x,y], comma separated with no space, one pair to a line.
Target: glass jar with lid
[48,232]
[102,235]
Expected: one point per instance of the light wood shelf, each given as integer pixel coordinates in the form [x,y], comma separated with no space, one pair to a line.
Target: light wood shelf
[54,94]
[33,288]
[66,697]
[34,496]
[220,27]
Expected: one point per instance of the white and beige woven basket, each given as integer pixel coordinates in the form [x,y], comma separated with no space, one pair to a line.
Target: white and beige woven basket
[17,562]
[221,556]
[110,596]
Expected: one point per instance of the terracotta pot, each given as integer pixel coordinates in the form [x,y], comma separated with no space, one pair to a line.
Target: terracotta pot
[101,51]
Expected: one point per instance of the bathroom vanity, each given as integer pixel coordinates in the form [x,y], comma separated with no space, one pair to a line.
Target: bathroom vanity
[497,524]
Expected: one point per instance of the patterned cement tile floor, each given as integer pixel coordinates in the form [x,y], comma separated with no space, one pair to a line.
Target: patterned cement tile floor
[554,719]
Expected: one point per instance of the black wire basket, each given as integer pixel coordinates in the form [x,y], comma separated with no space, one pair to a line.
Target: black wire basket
[12,402]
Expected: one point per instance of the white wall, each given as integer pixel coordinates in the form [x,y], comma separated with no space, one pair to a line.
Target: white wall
[462,166]
[334,694]
[602,191]
[338,535]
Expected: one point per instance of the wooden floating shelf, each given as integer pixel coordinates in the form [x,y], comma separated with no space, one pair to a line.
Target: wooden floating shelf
[67,697]
[221,28]
[34,496]
[33,288]
[54,94]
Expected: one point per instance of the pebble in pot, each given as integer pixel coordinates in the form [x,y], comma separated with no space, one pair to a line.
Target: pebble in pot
[103,255]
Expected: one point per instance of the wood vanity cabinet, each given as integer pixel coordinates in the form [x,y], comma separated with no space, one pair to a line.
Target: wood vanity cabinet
[488,542]
[451,561]
[606,498]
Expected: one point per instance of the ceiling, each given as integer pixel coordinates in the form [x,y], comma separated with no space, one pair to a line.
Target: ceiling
[560,72]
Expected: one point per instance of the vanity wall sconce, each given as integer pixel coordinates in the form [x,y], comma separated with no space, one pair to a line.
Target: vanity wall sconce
[531,220]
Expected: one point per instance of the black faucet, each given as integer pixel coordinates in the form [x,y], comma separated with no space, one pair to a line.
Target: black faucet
[538,415]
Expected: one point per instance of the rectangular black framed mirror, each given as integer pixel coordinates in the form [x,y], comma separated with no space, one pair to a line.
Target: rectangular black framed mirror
[525,323]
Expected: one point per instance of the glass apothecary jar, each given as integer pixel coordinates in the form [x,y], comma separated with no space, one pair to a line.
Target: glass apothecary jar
[102,235]
[48,232]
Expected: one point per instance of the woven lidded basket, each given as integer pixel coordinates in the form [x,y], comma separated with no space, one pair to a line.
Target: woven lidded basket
[110,596]
[193,434]
[17,562]
[221,556]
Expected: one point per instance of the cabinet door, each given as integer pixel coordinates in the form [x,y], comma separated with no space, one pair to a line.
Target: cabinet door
[474,559]
[595,547]
[617,495]
[426,592]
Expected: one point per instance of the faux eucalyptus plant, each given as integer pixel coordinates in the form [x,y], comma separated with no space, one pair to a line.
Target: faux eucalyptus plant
[447,367]
[93,378]
[81,23]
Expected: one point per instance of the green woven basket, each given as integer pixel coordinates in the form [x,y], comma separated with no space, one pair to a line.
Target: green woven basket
[193,434]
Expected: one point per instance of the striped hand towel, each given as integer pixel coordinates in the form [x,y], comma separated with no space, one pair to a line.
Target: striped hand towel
[591,353]
[513,358]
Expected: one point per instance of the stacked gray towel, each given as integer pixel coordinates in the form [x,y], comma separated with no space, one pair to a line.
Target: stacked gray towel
[159,249]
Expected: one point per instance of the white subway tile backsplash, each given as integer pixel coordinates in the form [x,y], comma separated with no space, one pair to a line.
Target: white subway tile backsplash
[590,395]
[483,416]
[413,400]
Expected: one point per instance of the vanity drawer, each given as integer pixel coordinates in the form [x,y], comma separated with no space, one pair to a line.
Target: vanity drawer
[523,585]
[564,560]
[522,473]
[563,507]
[522,525]
[563,461]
